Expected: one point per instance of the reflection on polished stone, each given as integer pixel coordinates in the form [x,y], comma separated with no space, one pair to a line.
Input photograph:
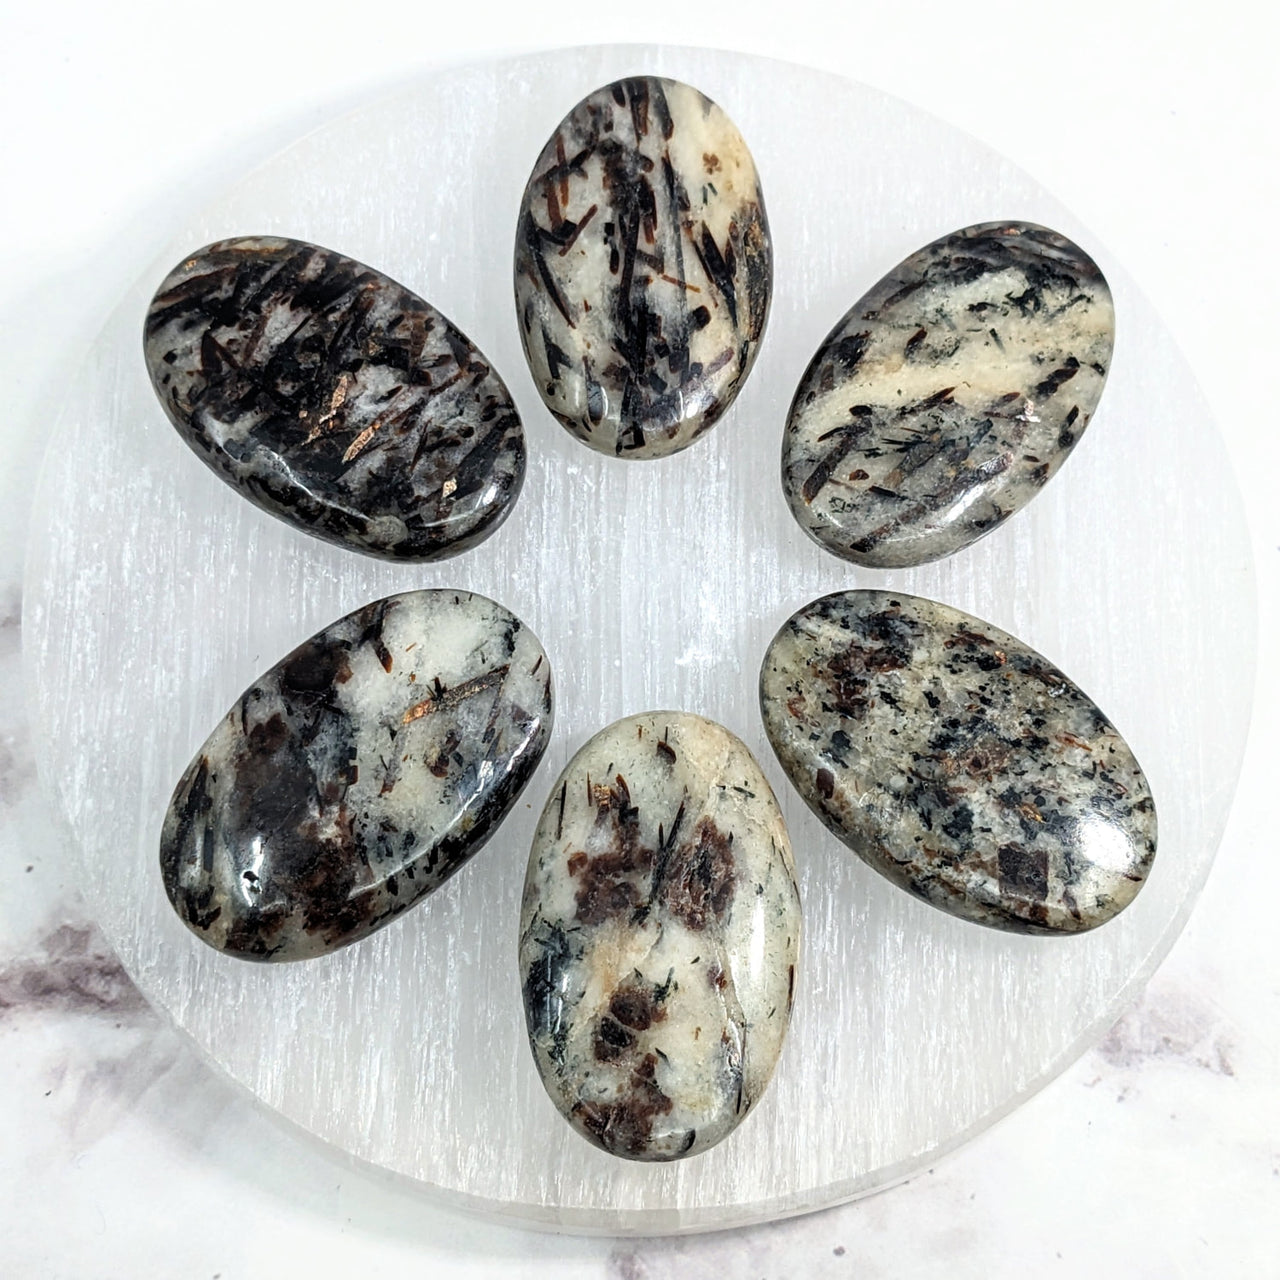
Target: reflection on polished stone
[949,395]
[356,775]
[643,268]
[332,397]
[659,937]
[958,762]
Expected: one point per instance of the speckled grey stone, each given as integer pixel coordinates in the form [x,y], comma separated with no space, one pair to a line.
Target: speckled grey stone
[659,937]
[356,775]
[643,267]
[949,395]
[332,397]
[958,762]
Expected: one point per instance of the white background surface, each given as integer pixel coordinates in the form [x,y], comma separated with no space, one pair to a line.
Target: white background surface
[1158,1155]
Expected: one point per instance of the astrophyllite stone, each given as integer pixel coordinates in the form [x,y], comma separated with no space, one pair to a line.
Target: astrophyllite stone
[949,395]
[958,762]
[357,775]
[659,936]
[643,267]
[334,398]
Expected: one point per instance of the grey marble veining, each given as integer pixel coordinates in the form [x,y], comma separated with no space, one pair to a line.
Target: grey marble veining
[356,775]
[659,936]
[958,762]
[334,398]
[949,395]
[643,267]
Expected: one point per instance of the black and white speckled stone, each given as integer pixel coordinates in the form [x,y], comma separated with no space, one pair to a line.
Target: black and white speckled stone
[334,398]
[357,775]
[643,267]
[659,937]
[958,762]
[949,395]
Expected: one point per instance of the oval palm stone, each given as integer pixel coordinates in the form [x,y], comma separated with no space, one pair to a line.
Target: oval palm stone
[958,762]
[643,267]
[659,937]
[356,775]
[949,395]
[334,398]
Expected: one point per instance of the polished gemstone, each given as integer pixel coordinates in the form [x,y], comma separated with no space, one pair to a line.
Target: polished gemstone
[643,267]
[334,398]
[659,936]
[949,395]
[357,775]
[958,762]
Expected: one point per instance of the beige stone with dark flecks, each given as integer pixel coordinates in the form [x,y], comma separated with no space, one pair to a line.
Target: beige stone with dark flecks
[949,395]
[958,762]
[659,937]
[643,267]
[356,775]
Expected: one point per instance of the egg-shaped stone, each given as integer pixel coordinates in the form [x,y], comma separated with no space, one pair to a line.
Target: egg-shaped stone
[958,762]
[659,936]
[332,397]
[949,395]
[643,267]
[356,775]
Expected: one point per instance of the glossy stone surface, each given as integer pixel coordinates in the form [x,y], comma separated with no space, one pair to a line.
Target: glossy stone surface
[643,267]
[334,398]
[949,395]
[356,775]
[659,936]
[958,762]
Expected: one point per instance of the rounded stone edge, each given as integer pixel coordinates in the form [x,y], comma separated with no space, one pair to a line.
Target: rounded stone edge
[911,556]
[486,832]
[1006,924]
[301,516]
[573,425]
[785,849]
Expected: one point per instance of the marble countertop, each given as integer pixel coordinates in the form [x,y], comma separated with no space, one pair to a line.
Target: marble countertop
[1157,1154]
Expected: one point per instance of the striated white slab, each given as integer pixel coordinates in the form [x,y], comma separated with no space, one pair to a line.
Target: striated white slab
[155,595]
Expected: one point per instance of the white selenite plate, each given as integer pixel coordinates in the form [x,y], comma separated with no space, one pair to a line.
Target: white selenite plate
[155,594]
